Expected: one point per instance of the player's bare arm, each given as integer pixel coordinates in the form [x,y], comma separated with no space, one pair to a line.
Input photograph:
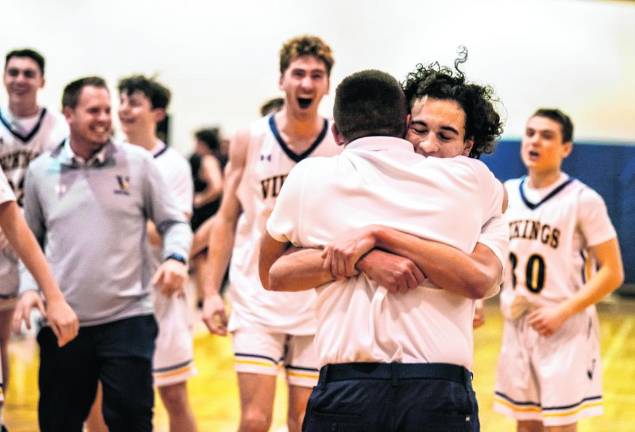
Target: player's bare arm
[61,317]
[609,277]
[286,268]
[471,275]
[201,238]
[222,235]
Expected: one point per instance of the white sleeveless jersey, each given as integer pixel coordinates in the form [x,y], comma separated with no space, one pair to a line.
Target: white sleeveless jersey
[6,193]
[22,140]
[550,231]
[268,163]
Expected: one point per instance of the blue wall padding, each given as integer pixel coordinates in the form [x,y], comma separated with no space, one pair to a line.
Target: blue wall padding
[607,168]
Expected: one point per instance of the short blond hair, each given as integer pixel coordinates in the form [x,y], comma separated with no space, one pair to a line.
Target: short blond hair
[306,45]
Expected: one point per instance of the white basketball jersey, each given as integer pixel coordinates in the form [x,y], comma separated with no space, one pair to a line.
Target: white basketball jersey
[268,163]
[550,230]
[177,174]
[22,140]
[6,193]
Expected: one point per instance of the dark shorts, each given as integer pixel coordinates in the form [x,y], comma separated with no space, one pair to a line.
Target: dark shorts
[119,354]
[387,397]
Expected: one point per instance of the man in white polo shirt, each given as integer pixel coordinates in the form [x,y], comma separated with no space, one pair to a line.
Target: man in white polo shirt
[384,354]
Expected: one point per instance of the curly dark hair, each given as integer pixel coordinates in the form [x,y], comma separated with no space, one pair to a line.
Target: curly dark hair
[482,122]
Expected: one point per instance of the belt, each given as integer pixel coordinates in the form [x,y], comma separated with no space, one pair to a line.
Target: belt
[395,372]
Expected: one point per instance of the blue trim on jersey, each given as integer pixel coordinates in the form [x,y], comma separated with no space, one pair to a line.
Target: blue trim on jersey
[160,152]
[24,138]
[292,155]
[553,408]
[533,206]
[300,368]
[256,356]
[563,407]
[176,366]
[515,402]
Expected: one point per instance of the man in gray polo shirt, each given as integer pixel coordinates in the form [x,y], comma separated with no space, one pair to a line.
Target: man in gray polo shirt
[88,203]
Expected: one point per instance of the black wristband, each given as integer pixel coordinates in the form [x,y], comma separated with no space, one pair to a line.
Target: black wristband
[176,257]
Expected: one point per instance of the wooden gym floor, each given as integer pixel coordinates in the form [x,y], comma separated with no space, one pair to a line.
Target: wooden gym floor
[214,394]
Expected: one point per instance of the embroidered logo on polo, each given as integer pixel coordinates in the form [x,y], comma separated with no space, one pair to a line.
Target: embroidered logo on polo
[265,157]
[60,189]
[123,185]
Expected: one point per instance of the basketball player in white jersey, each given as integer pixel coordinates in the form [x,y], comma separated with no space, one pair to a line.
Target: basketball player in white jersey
[26,130]
[142,106]
[549,373]
[269,328]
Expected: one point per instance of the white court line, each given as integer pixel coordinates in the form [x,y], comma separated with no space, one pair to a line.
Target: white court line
[619,341]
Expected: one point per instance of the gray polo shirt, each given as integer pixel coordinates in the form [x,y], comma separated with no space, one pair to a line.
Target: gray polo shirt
[90,217]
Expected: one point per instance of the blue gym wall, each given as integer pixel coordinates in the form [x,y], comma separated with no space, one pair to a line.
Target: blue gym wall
[609,168]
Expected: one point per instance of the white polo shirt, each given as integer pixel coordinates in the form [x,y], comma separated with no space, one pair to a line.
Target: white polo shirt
[381,180]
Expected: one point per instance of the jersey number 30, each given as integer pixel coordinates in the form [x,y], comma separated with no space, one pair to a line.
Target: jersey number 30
[534,272]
